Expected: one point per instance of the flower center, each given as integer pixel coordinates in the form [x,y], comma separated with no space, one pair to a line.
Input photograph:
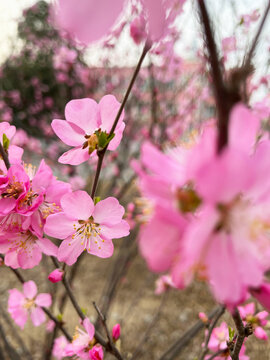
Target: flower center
[29,303]
[91,142]
[13,190]
[85,231]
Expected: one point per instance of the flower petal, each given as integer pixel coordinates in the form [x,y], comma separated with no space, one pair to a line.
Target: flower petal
[29,289]
[69,250]
[108,211]
[74,156]
[43,299]
[67,133]
[83,113]
[77,205]
[59,226]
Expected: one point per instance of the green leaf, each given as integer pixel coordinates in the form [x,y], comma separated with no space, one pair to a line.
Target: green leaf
[102,139]
[97,199]
[5,142]
[231,333]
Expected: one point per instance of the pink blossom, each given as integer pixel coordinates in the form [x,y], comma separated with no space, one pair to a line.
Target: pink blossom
[82,341]
[116,331]
[59,347]
[163,284]
[258,320]
[20,305]
[84,117]
[89,21]
[86,226]
[24,249]
[56,275]
[96,353]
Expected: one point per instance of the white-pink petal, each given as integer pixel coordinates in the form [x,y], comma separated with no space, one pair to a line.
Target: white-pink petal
[59,226]
[83,113]
[77,205]
[67,133]
[37,316]
[75,156]
[29,289]
[116,231]
[43,299]
[108,211]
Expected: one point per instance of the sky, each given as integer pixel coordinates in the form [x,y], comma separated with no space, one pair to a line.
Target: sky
[222,11]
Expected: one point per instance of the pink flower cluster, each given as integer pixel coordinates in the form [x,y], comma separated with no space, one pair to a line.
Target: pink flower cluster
[33,201]
[210,214]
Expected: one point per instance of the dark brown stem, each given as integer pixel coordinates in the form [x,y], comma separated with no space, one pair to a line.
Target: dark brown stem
[176,348]
[240,336]
[104,322]
[110,348]
[218,83]
[4,156]
[210,330]
[102,152]
[248,59]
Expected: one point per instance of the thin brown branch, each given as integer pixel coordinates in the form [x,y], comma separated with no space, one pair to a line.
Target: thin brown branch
[176,348]
[241,334]
[104,323]
[210,330]
[110,348]
[58,323]
[102,152]
[251,52]
[4,156]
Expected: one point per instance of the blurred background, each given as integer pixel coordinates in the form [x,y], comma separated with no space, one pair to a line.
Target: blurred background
[41,69]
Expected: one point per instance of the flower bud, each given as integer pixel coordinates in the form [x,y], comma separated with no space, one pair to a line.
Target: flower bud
[56,275]
[96,353]
[116,331]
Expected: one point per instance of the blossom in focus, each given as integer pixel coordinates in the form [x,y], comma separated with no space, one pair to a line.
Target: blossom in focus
[24,249]
[86,122]
[28,303]
[85,226]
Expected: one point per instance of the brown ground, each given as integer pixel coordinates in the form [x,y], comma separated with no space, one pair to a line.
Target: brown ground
[134,306]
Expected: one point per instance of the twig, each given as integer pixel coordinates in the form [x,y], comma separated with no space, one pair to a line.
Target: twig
[175,349]
[110,348]
[102,152]
[242,334]
[210,330]
[4,156]
[58,323]
[247,62]
[104,322]
[138,351]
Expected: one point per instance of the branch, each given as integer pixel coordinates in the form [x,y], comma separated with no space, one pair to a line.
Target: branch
[4,156]
[58,323]
[181,343]
[210,330]
[111,349]
[247,62]
[102,152]
[243,332]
